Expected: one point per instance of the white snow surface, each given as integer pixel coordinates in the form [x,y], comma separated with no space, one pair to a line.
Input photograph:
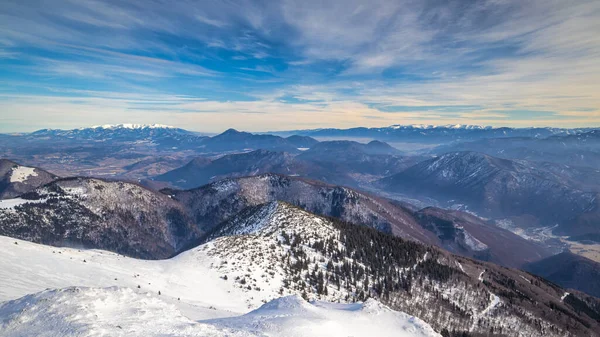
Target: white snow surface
[132,126]
[78,311]
[11,203]
[20,174]
[194,300]
[474,243]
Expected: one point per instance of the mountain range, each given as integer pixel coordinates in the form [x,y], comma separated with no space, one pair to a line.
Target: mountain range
[499,188]
[435,133]
[455,231]
[241,223]
[275,249]
[578,148]
[336,162]
[87,204]
[129,151]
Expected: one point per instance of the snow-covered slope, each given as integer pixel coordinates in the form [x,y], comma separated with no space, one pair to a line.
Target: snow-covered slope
[77,311]
[274,250]
[294,317]
[190,287]
[277,249]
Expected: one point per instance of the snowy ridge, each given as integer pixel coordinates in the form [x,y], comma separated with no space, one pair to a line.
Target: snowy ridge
[131,126]
[293,316]
[446,126]
[230,196]
[77,311]
[190,290]
[285,250]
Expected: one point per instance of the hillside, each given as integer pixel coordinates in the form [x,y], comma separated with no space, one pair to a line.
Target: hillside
[94,213]
[211,204]
[569,271]
[201,171]
[233,140]
[17,179]
[465,234]
[494,187]
[340,163]
[276,247]
[217,202]
[302,142]
[372,160]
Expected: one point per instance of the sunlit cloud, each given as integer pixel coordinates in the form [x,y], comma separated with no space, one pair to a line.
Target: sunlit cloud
[298,64]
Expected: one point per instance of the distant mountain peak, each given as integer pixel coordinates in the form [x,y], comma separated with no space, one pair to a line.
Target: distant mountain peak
[132,126]
[231,131]
[447,126]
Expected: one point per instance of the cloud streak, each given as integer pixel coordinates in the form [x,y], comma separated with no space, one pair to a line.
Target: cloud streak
[264,65]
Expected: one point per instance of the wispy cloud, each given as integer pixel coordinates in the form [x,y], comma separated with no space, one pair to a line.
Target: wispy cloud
[274,65]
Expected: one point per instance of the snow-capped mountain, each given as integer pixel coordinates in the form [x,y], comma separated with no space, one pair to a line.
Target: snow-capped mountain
[278,248]
[98,140]
[160,135]
[435,133]
[114,131]
[17,179]
[131,126]
[579,147]
[117,216]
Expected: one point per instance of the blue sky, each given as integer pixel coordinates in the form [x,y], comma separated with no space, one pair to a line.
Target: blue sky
[275,65]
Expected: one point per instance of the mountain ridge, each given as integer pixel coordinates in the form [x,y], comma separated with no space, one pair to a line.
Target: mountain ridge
[494,187]
[262,237]
[96,213]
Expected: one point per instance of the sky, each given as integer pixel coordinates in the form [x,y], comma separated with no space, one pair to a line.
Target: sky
[282,65]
